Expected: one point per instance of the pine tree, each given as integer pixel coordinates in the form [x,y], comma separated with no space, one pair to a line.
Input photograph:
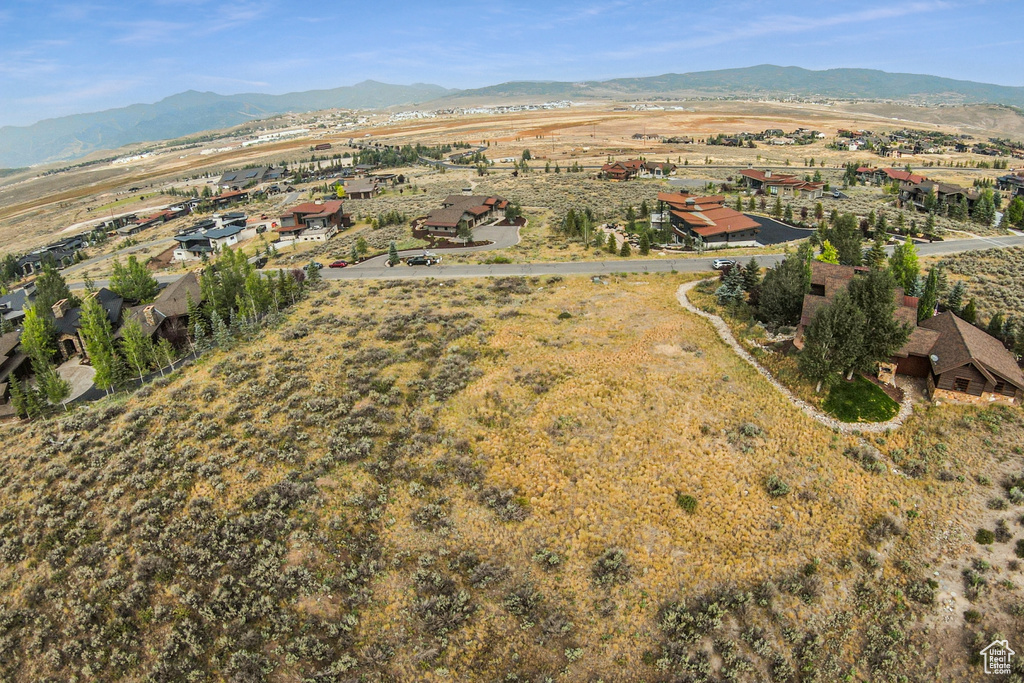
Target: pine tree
[751,275]
[51,288]
[599,239]
[751,206]
[873,294]
[739,203]
[731,289]
[876,256]
[54,388]
[98,336]
[970,312]
[832,341]
[624,250]
[18,399]
[313,274]
[777,207]
[955,301]
[995,325]
[787,215]
[783,288]
[221,332]
[393,254]
[930,297]
[645,244]
[612,247]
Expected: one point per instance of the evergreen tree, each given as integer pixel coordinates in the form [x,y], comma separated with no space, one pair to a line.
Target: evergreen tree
[51,288]
[52,387]
[731,290]
[361,246]
[313,274]
[955,300]
[98,336]
[18,400]
[903,265]
[873,294]
[133,282]
[929,226]
[599,239]
[750,204]
[876,257]
[1014,213]
[832,340]
[930,297]
[777,207]
[612,247]
[739,203]
[783,288]
[819,211]
[751,275]
[221,331]
[624,250]
[844,234]
[645,244]
[787,215]
[995,325]
[970,312]
[393,254]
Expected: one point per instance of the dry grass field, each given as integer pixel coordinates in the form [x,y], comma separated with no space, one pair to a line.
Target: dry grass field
[995,280]
[508,479]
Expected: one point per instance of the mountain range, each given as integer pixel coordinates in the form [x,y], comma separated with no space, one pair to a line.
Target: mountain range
[187,113]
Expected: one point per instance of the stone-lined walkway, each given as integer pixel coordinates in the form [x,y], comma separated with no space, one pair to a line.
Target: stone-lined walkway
[906,407]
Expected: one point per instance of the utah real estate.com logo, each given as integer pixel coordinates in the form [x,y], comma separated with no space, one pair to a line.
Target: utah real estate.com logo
[997,657]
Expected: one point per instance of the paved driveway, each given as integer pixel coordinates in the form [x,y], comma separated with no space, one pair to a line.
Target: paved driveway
[774,232]
[500,236]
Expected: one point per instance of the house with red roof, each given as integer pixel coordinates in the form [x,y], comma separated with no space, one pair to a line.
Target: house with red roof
[708,218]
[459,209]
[623,170]
[781,184]
[906,179]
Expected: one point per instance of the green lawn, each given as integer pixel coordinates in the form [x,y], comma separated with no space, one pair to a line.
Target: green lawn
[860,401]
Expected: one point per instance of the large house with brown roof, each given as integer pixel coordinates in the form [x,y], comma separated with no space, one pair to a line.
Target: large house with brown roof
[958,361]
[459,209]
[622,170]
[314,221]
[945,193]
[780,184]
[709,219]
[167,316]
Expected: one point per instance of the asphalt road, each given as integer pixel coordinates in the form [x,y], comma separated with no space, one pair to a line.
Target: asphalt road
[662,265]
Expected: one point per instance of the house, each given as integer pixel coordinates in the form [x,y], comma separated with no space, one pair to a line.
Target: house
[622,170]
[362,188]
[905,178]
[780,184]
[68,321]
[13,365]
[228,198]
[1012,183]
[465,209]
[167,316]
[12,304]
[194,244]
[314,221]
[969,365]
[247,177]
[945,193]
[653,169]
[959,361]
[708,218]
[866,174]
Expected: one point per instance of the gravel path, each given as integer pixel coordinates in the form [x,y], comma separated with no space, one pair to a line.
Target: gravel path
[906,407]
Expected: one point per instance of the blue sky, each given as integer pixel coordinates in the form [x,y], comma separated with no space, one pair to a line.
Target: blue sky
[59,58]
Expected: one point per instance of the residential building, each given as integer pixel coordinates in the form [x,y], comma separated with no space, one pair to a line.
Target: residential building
[708,218]
[780,184]
[958,361]
[196,244]
[622,170]
[362,188]
[945,193]
[247,177]
[314,221]
[167,316]
[68,321]
[12,304]
[654,169]
[463,209]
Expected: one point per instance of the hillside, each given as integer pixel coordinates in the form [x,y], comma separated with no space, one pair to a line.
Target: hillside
[507,479]
[71,137]
[769,80]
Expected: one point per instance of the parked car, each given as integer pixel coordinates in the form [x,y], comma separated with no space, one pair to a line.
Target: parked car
[422,260]
[313,264]
[339,264]
[837,194]
[722,263]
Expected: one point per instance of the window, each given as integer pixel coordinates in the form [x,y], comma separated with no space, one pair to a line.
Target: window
[961,384]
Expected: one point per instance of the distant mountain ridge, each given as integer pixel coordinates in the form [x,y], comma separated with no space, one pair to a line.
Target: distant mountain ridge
[765,80]
[191,112]
[70,137]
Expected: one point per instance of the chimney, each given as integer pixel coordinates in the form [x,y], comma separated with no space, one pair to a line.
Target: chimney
[768,173]
[60,308]
[147,313]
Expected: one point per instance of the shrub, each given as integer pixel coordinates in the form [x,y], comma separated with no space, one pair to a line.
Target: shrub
[882,528]
[687,502]
[775,486]
[972,616]
[996,503]
[611,568]
[984,537]
[1018,548]
[547,559]
[564,315]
